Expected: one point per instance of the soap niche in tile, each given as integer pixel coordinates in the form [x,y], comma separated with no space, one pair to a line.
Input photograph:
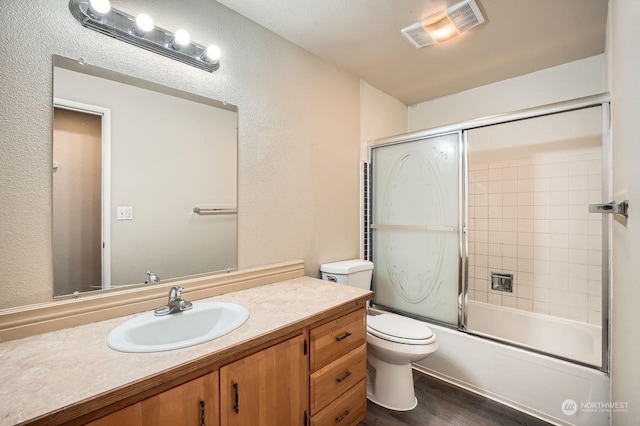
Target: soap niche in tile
[502,282]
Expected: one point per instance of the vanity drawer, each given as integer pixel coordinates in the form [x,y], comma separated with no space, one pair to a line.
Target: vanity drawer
[332,340]
[347,410]
[337,377]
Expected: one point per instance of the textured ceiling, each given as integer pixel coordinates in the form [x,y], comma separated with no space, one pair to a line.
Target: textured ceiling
[363,37]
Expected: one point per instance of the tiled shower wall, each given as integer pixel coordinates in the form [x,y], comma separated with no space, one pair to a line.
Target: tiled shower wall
[529,217]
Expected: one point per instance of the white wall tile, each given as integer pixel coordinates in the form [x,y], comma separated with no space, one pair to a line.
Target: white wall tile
[541,184]
[578,183]
[495,187]
[509,263]
[560,183]
[510,186]
[525,305]
[559,212]
[494,299]
[542,253]
[541,307]
[509,301]
[495,262]
[559,240]
[510,173]
[530,218]
[541,240]
[559,198]
[541,294]
[560,311]
[595,182]
[525,185]
[495,174]
[495,200]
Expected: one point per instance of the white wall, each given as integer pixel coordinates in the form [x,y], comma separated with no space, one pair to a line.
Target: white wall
[298,133]
[625,91]
[576,79]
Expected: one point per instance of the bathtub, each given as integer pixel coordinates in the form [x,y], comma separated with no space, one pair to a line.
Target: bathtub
[528,381]
[536,384]
[568,339]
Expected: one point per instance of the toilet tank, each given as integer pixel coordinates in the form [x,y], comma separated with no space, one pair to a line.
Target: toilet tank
[355,272]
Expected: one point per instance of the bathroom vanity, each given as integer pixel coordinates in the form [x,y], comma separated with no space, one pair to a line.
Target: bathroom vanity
[299,359]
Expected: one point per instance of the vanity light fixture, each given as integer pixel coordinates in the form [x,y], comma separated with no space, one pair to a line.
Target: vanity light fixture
[445,25]
[141,31]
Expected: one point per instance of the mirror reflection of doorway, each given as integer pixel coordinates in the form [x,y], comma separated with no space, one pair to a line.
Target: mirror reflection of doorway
[77,201]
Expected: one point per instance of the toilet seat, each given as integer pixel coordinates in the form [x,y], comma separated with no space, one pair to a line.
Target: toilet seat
[396,328]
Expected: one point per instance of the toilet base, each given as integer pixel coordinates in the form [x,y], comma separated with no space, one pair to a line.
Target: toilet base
[371,397]
[391,385]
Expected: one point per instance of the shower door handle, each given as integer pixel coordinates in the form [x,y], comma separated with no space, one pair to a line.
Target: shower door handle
[612,207]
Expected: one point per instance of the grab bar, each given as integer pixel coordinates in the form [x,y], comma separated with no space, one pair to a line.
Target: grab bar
[414,228]
[200,210]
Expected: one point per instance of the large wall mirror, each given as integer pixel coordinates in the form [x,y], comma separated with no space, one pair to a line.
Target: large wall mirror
[144,181]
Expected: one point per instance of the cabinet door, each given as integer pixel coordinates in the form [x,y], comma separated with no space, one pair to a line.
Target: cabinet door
[182,405]
[268,388]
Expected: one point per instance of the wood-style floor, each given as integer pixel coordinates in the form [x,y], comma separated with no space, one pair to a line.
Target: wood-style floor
[440,404]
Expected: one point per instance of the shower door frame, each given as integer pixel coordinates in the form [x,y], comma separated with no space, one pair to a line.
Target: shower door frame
[602,100]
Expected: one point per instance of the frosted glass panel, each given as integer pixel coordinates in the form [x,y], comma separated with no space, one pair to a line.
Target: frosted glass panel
[415,227]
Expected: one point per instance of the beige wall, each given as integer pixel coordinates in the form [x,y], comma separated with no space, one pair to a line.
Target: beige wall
[625,92]
[380,116]
[298,133]
[576,79]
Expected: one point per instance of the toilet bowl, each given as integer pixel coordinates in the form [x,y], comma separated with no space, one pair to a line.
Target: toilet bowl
[393,342]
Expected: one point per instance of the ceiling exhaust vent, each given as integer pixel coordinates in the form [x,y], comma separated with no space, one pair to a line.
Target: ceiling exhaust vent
[443,26]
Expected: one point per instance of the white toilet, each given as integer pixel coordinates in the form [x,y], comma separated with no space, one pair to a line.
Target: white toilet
[393,342]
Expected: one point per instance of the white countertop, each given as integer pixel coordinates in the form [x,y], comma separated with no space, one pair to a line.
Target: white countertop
[43,373]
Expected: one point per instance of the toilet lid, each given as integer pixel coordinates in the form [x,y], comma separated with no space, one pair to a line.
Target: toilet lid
[396,326]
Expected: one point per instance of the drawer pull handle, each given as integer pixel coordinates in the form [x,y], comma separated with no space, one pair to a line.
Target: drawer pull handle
[343,378]
[236,406]
[202,404]
[341,418]
[344,336]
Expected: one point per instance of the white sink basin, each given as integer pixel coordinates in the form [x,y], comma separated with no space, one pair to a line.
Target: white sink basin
[149,333]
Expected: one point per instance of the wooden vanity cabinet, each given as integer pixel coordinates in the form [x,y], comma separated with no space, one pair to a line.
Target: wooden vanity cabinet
[338,371]
[315,377]
[193,403]
[267,388]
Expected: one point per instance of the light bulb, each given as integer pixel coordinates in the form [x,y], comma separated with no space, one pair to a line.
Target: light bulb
[144,23]
[213,53]
[182,38]
[100,7]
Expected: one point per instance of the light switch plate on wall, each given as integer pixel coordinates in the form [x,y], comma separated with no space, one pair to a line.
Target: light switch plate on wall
[124,213]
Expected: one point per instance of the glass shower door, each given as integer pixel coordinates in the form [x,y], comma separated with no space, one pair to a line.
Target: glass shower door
[415,230]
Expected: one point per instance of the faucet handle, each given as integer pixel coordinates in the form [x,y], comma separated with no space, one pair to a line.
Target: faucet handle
[175,292]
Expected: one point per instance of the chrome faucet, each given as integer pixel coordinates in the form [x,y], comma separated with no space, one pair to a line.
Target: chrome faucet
[152,277]
[175,304]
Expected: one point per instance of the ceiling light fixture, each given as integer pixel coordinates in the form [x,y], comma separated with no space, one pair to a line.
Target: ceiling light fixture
[445,25]
[141,31]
